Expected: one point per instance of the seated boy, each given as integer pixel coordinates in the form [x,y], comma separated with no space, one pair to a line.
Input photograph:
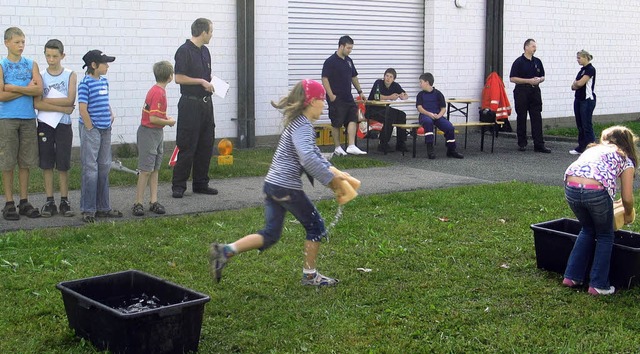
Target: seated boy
[432,107]
[388,89]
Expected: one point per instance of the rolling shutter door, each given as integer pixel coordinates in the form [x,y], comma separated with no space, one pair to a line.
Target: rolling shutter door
[385,34]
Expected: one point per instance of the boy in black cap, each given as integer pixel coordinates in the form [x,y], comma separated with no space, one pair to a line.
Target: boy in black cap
[95,137]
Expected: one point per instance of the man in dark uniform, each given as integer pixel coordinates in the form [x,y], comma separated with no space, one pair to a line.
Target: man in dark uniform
[527,73]
[196,126]
[338,74]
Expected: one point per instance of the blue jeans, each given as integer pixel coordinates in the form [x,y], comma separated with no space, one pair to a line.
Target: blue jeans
[594,210]
[278,201]
[583,111]
[442,124]
[95,155]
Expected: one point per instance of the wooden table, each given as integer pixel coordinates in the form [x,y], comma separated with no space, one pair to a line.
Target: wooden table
[460,105]
[387,104]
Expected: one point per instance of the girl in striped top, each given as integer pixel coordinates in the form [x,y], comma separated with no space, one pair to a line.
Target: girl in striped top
[296,154]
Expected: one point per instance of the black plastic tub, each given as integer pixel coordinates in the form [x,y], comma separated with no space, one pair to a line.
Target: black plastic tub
[97,310]
[554,241]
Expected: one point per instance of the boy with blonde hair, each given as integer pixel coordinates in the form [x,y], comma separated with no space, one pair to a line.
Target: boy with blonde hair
[20,82]
[150,138]
[54,126]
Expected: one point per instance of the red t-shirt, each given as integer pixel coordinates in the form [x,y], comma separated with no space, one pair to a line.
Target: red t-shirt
[155,104]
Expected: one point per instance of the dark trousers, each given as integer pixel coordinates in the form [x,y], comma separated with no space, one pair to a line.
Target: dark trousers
[529,100]
[195,135]
[583,111]
[393,116]
[443,124]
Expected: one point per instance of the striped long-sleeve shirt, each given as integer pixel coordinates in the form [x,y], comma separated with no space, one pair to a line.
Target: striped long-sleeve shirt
[296,153]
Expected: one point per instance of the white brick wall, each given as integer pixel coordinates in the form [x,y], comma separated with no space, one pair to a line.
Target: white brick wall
[271,49]
[454,49]
[607,29]
[140,33]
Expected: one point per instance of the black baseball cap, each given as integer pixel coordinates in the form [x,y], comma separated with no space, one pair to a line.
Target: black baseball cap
[96,56]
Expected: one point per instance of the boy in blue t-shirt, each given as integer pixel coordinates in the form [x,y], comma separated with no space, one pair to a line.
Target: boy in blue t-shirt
[96,118]
[20,82]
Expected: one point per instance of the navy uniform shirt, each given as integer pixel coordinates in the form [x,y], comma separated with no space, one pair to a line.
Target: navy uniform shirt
[431,101]
[586,92]
[193,62]
[384,91]
[527,69]
[339,72]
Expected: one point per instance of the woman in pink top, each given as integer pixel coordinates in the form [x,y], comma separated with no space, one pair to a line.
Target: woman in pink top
[590,188]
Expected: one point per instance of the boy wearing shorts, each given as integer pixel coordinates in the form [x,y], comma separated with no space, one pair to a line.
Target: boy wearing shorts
[150,138]
[20,82]
[54,126]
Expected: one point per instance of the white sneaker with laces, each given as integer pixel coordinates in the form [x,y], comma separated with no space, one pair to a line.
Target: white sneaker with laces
[574,152]
[339,151]
[354,150]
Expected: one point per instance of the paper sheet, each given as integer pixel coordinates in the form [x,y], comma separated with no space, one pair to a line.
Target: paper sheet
[52,118]
[220,86]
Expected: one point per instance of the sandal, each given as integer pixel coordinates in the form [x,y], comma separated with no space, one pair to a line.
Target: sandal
[138,209]
[88,218]
[28,210]
[157,208]
[9,212]
[113,213]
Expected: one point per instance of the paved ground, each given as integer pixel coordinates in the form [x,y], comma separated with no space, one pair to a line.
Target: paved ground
[406,173]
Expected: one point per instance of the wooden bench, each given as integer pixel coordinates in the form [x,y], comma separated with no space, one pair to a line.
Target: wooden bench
[493,127]
[410,118]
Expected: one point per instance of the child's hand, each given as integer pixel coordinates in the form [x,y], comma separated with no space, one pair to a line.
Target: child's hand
[171,122]
[68,109]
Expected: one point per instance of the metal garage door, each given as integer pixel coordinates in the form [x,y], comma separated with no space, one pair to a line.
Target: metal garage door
[386,34]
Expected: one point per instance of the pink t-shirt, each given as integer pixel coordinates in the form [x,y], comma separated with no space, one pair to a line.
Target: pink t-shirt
[602,163]
[155,104]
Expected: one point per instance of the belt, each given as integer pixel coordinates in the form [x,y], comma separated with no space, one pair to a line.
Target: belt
[204,99]
[585,186]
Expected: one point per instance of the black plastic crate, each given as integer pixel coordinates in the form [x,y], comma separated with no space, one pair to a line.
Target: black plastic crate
[554,241]
[96,310]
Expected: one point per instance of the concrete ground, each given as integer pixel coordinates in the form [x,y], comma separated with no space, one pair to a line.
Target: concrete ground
[506,163]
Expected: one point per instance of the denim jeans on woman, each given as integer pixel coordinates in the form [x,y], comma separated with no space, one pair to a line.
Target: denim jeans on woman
[594,210]
[583,110]
[95,155]
[278,201]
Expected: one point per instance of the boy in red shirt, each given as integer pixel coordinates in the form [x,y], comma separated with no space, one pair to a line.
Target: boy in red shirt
[150,138]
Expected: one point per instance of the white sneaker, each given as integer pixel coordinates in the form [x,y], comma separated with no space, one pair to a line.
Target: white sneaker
[574,152]
[339,151]
[353,150]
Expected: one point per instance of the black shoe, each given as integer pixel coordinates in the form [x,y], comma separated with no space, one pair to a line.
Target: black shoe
[178,193]
[65,208]
[402,148]
[430,154]
[384,147]
[454,154]
[49,209]
[543,149]
[206,190]
[522,148]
